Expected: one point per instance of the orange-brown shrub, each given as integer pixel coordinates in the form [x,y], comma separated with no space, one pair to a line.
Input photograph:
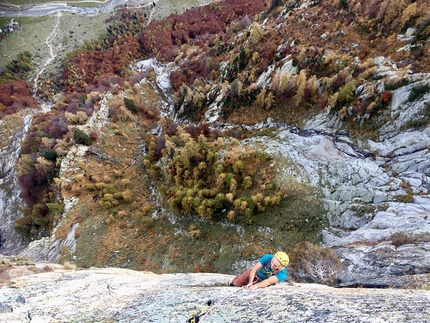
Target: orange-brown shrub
[15,96]
[315,264]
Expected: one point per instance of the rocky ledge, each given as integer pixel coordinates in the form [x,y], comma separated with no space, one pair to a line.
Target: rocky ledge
[52,293]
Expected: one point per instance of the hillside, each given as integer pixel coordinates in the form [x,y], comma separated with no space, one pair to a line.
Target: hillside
[198,142]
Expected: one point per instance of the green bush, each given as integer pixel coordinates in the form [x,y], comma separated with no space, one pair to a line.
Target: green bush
[55,207]
[48,154]
[343,4]
[23,225]
[418,92]
[346,93]
[81,137]
[202,181]
[416,123]
[130,105]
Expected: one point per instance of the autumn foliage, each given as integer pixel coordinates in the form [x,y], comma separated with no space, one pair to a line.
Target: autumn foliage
[15,92]
[315,57]
[159,38]
[89,67]
[15,96]
[315,264]
[199,181]
[111,55]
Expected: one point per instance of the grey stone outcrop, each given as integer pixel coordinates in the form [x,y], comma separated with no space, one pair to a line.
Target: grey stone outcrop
[12,133]
[120,295]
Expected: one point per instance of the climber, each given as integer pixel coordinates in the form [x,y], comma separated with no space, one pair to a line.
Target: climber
[269,270]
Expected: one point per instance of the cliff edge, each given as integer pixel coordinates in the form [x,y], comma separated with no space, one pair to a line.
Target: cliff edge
[52,293]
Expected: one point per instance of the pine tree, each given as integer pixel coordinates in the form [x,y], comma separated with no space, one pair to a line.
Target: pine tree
[276,80]
[300,88]
[257,33]
[346,94]
[130,105]
[407,14]
[284,81]
[44,167]
[260,99]
[81,137]
[268,101]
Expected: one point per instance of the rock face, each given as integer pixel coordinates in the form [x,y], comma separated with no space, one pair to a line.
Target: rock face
[376,194]
[51,293]
[121,295]
[13,130]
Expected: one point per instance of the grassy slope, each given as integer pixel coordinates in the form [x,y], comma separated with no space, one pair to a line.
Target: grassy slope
[133,239]
[31,37]
[141,235]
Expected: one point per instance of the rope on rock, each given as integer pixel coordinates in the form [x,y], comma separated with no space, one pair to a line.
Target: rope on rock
[198,318]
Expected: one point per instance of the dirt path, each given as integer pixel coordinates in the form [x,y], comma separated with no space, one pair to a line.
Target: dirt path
[52,52]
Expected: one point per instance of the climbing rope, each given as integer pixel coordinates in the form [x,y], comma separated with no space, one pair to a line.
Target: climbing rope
[218,303]
[199,318]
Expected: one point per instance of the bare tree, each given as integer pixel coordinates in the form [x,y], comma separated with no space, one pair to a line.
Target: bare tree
[316,264]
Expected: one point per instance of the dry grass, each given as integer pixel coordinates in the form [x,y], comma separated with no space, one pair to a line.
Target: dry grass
[417,282]
[315,264]
[401,238]
[116,242]
[69,266]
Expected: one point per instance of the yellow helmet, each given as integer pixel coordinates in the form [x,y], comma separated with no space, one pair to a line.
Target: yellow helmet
[282,257]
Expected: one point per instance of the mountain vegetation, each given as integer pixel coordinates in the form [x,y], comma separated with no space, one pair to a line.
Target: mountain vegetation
[265,58]
[15,93]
